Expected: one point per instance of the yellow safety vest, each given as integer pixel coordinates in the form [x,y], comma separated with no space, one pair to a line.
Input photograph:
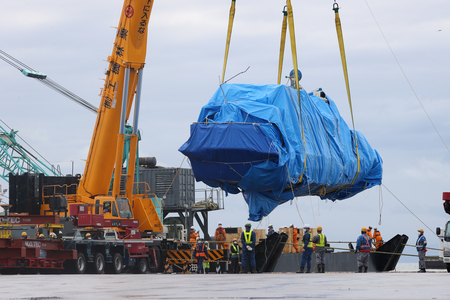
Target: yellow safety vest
[310,241]
[248,236]
[321,243]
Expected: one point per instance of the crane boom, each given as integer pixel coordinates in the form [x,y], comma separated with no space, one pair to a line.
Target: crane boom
[88,200]
[126,64]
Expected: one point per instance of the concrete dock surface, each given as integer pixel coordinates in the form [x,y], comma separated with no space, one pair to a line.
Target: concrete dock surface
[393,285]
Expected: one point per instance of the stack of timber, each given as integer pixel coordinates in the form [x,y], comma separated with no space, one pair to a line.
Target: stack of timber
[289,247]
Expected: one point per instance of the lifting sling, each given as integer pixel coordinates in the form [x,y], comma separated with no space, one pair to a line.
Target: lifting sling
[290,17]
[344,66]
[230,27]
[282,43]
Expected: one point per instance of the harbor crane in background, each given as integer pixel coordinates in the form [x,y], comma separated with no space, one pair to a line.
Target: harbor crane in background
[17,160]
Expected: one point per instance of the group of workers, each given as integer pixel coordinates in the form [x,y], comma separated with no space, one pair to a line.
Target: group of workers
[364,245]
[317,243]
[309,245]
[238,260]
[40,236]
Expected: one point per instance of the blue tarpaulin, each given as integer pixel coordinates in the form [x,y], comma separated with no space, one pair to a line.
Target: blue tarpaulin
[254,139]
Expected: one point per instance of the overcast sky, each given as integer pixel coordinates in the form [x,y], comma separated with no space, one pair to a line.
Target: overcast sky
[70,41]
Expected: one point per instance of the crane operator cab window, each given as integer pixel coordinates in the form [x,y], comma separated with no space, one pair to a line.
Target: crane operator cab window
[124,208]
[106,207]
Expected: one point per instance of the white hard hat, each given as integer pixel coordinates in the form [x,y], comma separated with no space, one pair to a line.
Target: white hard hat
[306,226]
[220,223]
[270,225]
[374,228]
[292,225]
[192,227]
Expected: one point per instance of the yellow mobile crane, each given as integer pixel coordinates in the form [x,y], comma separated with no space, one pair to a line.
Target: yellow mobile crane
[122,85]
[89,199]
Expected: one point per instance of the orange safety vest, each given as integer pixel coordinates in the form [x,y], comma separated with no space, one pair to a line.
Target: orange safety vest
[200,250]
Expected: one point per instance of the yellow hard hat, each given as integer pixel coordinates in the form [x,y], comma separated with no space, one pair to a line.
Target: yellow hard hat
[24,233]
[235,239]
[420,230]
[319,228]
[41,235]
[364,229]
[88,234]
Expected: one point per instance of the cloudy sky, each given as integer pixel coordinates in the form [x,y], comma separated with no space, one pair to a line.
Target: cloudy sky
[70,41]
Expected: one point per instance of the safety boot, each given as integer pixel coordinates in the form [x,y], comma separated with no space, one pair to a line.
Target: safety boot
[359,270]
[422,271]
[254,270]
[365,269]
[302,270]
[308,270]
[319,268]
[323,268]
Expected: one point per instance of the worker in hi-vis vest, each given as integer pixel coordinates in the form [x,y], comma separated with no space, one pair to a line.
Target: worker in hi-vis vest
[248,240]
[320,241]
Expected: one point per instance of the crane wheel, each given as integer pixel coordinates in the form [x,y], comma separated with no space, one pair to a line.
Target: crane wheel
[80,264]
[116,266]
[142,266]
[99,263]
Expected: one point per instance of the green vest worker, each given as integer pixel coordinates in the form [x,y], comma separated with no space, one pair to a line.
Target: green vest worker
[321,241]
[248,240]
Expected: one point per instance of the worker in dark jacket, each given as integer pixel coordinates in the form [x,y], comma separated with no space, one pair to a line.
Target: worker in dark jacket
[363,246]
[421,247]
[248,240]
[307,250]
[270,230]
[201,253]
[235,253]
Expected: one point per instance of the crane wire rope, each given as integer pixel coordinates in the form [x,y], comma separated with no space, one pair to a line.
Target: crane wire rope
[406,77]
[380,203]
[47,81]
[408,209]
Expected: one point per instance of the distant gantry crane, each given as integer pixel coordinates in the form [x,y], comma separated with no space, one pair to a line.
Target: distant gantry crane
[17,160]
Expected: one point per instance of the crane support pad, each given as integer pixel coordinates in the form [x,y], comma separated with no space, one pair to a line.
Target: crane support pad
[254,139]
[184,256]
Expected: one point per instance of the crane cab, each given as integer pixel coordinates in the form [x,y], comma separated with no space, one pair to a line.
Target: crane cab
[111,208]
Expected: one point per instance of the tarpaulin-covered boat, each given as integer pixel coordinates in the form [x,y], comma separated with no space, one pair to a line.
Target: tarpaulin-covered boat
[262,141]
